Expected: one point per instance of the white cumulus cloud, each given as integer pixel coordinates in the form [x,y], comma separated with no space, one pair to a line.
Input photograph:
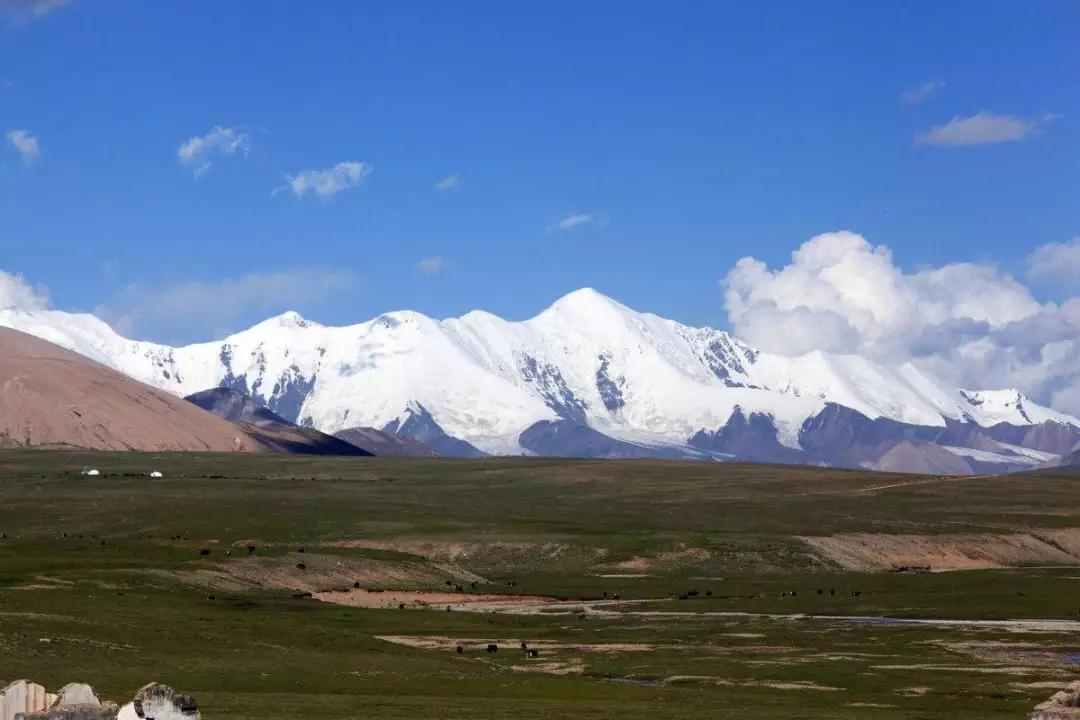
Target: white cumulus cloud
[17,293]
[980,129]
[860,300]
[968,323]
[328,182]
[25,144]
[198,152]
[1056,263]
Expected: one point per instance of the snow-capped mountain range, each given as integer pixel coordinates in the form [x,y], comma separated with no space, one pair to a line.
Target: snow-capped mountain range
[586,370]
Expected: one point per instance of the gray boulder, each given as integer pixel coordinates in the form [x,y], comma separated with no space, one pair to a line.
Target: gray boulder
[101,711]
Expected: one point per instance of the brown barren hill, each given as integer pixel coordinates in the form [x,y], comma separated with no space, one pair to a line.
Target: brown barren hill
[54,398]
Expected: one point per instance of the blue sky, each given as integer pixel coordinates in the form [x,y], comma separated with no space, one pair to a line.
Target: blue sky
[675,138]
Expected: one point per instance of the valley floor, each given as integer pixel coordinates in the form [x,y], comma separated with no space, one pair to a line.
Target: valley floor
[290,587]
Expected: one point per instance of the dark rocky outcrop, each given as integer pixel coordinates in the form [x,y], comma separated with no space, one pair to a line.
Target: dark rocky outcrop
[566,438]
[418,423]
[843,437]
[236,406]
[386,444]
[1051,437]
[549,382]
[273,432]
[610,388]
[752,438]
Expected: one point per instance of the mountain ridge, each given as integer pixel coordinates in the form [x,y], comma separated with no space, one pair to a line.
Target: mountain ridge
[587,359]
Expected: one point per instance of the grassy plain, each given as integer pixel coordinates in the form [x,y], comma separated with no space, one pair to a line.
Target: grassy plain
[104,579]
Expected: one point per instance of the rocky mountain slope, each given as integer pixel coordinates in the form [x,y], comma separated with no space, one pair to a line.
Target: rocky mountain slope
[588,376]
[51,397]
[386,444]
[272,432]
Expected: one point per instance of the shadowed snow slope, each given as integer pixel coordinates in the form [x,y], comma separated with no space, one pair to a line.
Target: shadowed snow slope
[589,360]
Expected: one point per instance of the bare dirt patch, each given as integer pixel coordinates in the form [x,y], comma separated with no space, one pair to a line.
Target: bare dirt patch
[913,691]
[318,573]
[573,667]
[642,566]
[1013,653]
[45,582]
[795,685]
[635,563]
[868,552]
[485,554]
[430,599]
[966,669]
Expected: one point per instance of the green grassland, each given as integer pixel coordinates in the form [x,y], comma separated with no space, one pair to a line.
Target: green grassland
[102,580]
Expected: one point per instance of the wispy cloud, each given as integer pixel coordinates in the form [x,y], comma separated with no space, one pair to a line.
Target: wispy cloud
[200,309]
[25,144]
[448,183]
[431,266]
[197,153]
[31,9]
[983,128]
[573,221]
[327,182]
[17,293]
[918,93]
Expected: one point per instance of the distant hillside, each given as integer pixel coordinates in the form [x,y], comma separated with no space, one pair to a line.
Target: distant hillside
[54,398]
[1069,462]
[386,444]
[272,432]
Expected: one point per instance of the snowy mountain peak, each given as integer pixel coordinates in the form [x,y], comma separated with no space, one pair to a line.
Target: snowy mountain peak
[586,302]
[1013,407]
[587,360]
[289,319]
[1004,398]
[406,317]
